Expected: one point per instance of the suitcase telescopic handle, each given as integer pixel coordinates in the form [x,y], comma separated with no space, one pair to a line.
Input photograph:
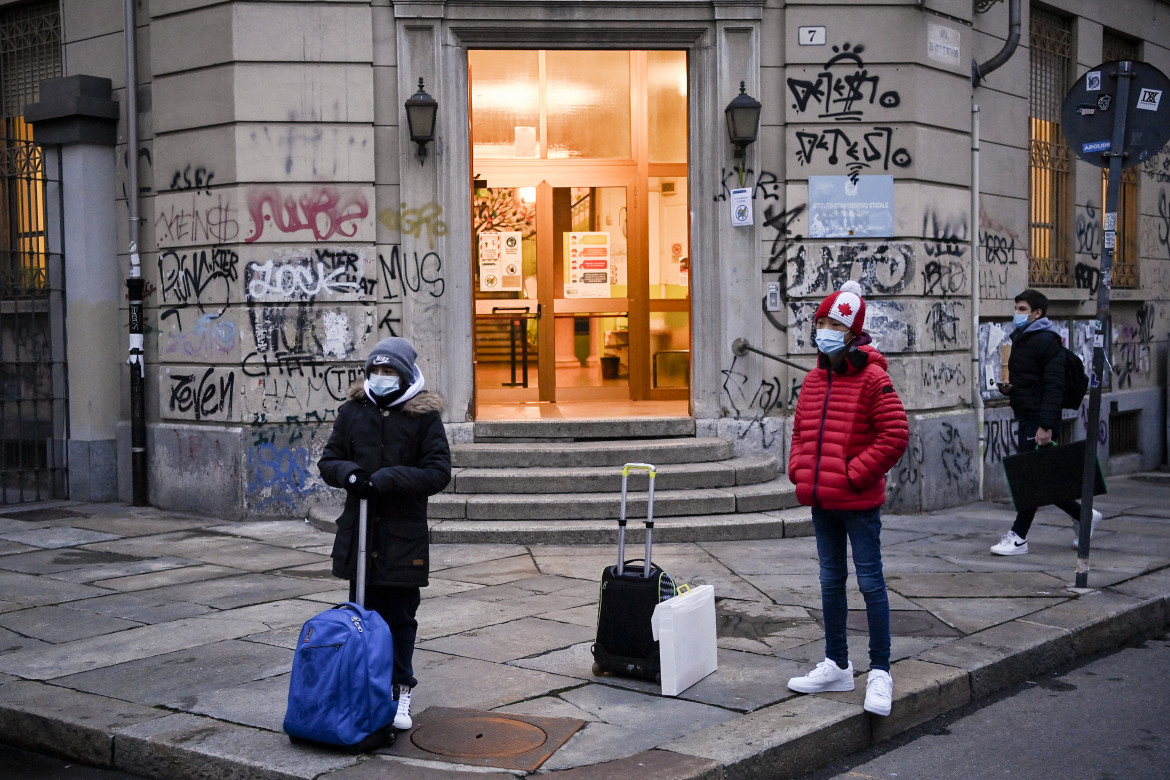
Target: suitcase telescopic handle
[651,472]
[363,522]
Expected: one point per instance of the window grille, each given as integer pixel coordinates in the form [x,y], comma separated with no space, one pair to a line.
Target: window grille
[30,52]
[1115,47]
[1050,161]
[33,404]
[1123,432]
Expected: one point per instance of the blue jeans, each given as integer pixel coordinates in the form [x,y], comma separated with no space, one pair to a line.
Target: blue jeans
[862,528]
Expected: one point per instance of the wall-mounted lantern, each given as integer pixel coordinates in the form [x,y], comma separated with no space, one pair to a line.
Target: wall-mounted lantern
[420,118]
[743,124]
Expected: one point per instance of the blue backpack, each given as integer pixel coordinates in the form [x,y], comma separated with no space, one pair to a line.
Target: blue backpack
[340,693]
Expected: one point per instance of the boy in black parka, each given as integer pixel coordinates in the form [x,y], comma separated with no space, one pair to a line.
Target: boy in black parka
[388,446]
[1034,388]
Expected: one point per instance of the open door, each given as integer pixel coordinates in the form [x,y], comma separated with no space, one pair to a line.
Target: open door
[581,271]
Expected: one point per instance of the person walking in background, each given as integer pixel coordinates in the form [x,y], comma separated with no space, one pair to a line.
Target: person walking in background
[1034,389]
[388,446]
[850,428]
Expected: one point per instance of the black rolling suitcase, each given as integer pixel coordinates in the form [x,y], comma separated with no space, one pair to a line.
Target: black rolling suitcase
[629,592]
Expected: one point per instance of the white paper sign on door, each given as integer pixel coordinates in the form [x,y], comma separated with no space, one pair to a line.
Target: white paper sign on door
[490,243]
[587,272]
[511,261]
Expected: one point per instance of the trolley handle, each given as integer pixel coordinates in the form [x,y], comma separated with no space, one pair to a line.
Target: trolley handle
[363,522]
[652,473]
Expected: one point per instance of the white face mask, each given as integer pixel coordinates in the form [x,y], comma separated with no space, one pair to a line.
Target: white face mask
[830,341]
[383,386]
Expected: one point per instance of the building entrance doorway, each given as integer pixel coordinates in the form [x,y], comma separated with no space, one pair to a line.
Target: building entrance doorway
[580,219]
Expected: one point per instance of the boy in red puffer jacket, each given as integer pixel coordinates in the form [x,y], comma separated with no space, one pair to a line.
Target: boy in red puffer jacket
[849,430]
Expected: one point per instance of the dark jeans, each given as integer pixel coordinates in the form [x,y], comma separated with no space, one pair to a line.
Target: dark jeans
[1026,440]
[862,529]
[397,606]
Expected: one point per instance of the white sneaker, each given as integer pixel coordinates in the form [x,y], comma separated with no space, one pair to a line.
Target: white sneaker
[1010,544]
[402,719]
[1092,529]
[879,692]
[827,676]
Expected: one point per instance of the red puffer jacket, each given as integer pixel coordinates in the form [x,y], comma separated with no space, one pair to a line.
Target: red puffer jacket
[849,430]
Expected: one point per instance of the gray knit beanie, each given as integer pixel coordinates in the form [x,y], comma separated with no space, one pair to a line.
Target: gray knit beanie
[396,352]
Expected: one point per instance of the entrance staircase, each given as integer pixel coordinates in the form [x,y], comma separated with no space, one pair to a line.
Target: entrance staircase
[559,482]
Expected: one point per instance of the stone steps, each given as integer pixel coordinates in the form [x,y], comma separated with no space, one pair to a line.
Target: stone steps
[559,481]
[615,452]
[747,470]
[562,430]
[776,494]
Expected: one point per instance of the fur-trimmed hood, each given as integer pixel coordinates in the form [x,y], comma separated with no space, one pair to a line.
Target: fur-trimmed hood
[423,403]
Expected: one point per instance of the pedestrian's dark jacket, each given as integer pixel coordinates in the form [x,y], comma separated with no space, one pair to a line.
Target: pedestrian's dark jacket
[1036,374]
[404,450]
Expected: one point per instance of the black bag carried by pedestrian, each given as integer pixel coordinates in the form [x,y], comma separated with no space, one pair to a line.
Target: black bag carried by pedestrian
[630,590]
[1049,475]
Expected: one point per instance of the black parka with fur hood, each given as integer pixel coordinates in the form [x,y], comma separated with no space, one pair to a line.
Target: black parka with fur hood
[404,450]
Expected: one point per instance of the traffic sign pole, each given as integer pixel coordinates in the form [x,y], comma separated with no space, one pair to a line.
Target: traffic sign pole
[1116,156]
[1106,126]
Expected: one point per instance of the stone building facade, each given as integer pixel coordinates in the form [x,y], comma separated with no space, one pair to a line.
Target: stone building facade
[288,221]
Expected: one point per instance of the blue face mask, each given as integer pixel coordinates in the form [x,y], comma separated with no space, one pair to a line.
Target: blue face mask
[830,341]
[382,386]
[1020,320]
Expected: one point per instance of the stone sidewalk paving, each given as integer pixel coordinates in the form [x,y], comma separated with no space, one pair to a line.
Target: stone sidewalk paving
[160,643]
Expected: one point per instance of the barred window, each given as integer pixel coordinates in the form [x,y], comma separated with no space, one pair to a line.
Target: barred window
[1050,161]
[1116,47]
[30,52]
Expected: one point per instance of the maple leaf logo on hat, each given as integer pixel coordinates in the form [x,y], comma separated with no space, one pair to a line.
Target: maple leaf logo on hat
[846,306]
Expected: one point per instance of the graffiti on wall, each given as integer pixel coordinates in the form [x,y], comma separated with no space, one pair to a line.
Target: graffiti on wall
[883,269]
[998,260]
[842,92]
[280,470]
[755,403]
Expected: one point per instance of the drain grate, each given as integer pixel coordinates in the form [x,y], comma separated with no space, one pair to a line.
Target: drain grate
[495,739]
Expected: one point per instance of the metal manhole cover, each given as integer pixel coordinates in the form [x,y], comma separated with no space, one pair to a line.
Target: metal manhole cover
[503,740]
[477,736]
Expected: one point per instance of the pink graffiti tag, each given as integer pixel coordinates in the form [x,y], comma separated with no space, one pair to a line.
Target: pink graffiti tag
[326,211]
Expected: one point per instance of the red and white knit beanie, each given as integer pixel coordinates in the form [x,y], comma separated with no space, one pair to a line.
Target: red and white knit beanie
[846,306]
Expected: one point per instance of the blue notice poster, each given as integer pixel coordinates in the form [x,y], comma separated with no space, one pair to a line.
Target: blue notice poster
[844,206]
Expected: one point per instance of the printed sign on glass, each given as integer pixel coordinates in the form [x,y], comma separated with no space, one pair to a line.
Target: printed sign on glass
[587,265]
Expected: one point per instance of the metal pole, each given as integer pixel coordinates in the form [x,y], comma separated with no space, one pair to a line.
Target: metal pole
[134,286]
[134,281]
[1112,195]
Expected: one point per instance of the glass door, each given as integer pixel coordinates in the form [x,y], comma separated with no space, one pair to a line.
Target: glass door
[580,237]
[551,276]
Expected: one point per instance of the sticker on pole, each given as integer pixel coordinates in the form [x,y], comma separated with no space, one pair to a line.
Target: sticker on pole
[1091,107]
[1148,99]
